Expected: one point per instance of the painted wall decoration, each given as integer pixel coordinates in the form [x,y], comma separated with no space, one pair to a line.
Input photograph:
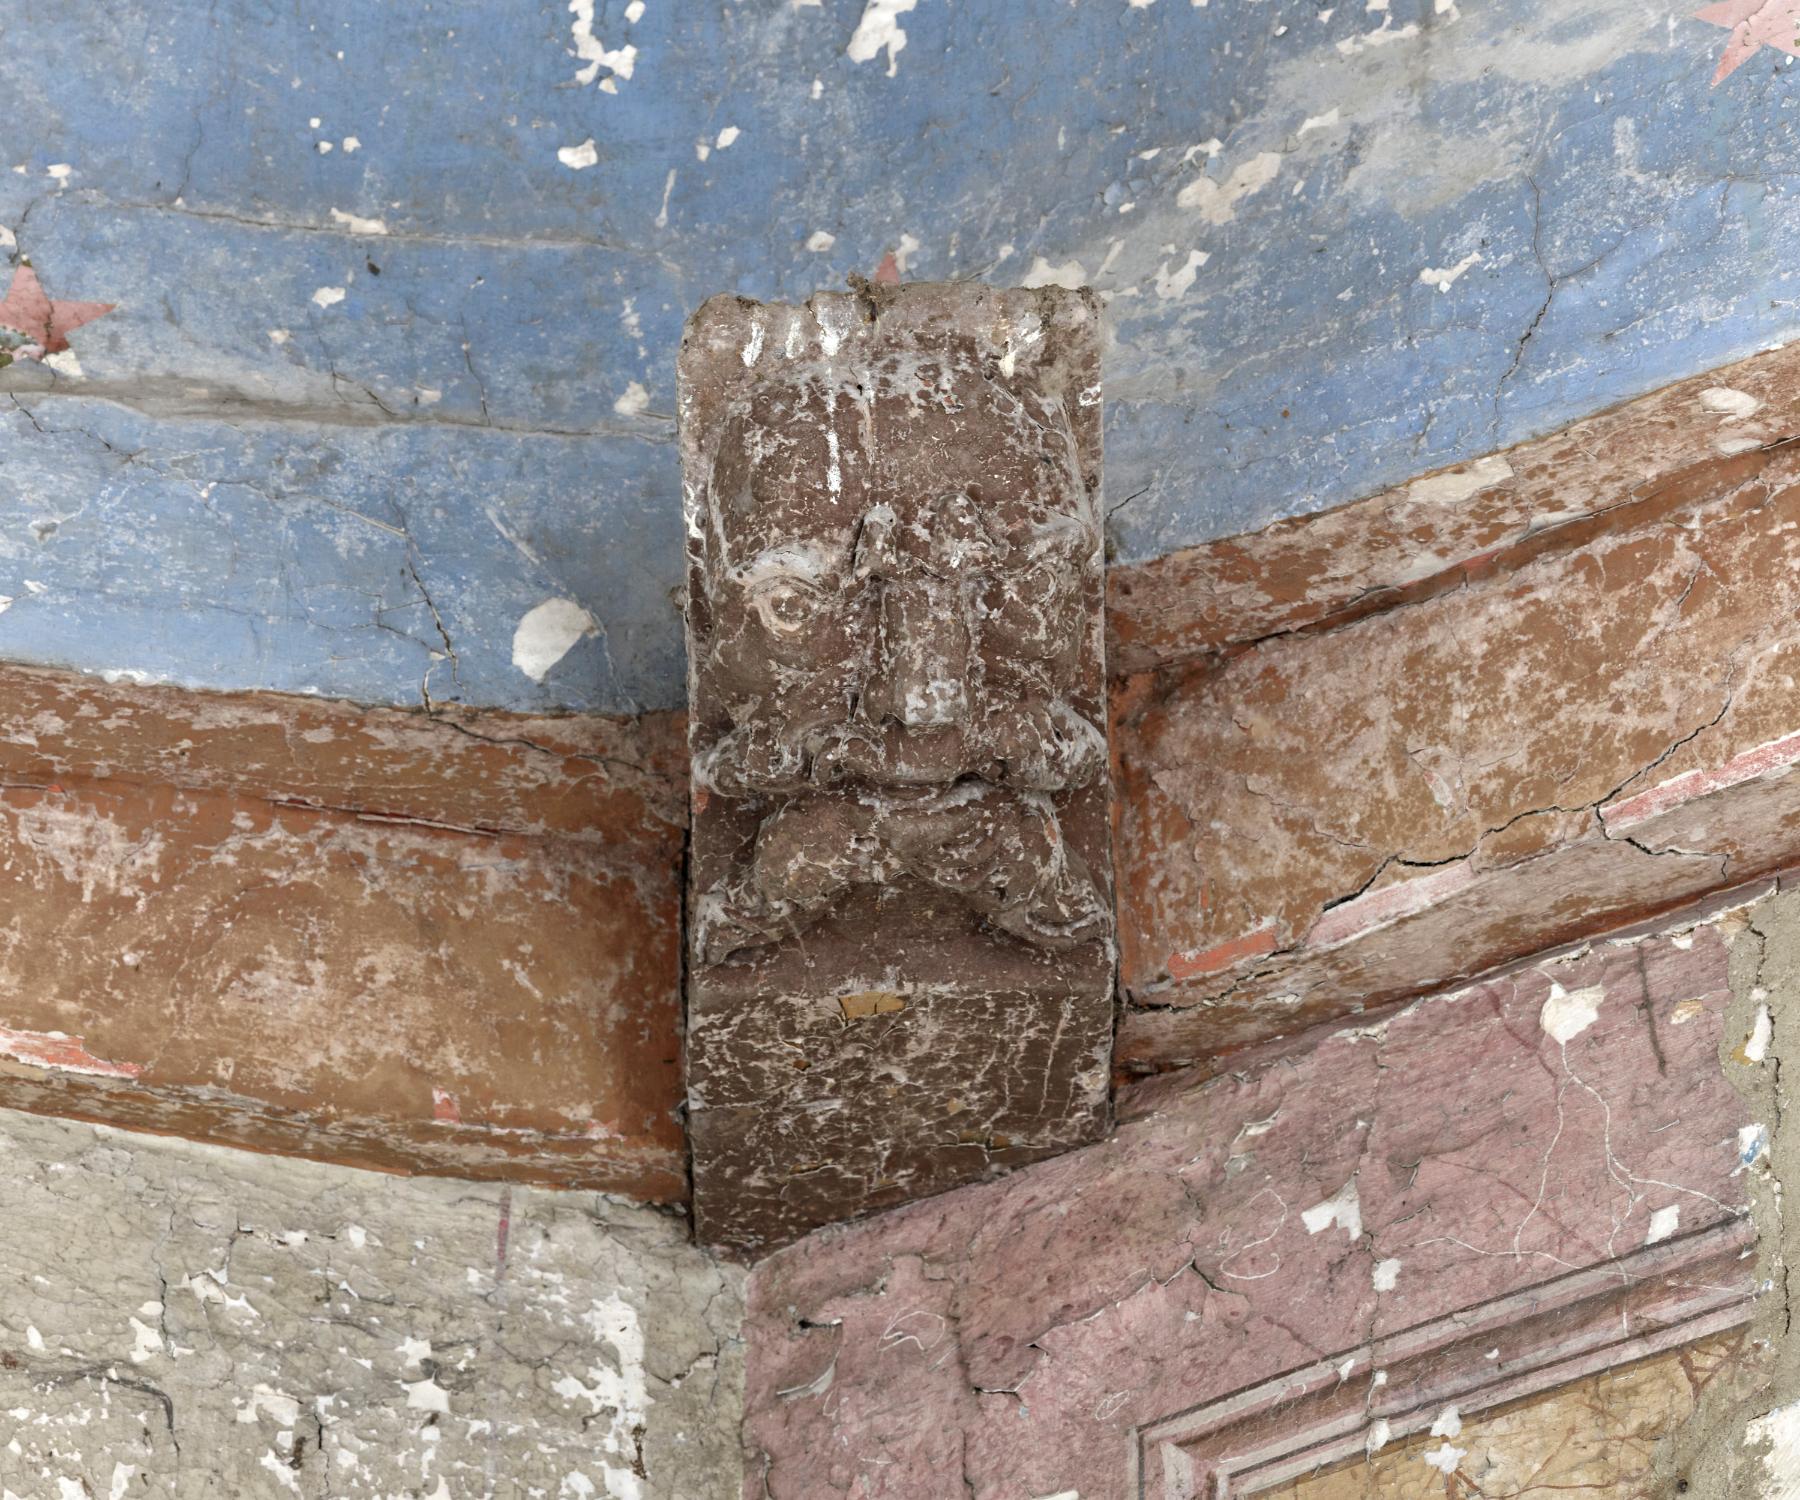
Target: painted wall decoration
[33,325]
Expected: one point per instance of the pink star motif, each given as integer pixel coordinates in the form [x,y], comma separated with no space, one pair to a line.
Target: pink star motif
[32,325]
[1753,24]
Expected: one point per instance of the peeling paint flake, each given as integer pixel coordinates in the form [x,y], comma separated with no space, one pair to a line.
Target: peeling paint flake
[1343,1208]
[1566,1014]
[547,634]
[1458,484]
[1217,201]
[1444,277]
[619,62]
[878,29]
[1070,274]
[578,158]
[1731,404]
[356,224]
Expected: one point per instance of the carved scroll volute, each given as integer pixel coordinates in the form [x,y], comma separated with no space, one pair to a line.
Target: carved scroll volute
[896,574]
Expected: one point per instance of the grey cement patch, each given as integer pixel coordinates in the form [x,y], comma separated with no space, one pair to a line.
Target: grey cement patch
[1743,1442]
[180,1320]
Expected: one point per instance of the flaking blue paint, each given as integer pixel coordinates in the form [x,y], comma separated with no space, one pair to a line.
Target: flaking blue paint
[206,474]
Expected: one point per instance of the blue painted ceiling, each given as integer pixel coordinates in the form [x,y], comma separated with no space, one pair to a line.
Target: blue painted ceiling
[399,285]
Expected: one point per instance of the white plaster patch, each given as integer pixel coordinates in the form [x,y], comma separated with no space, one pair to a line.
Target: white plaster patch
[1379,1435]
[1386,1275]
[1734,405]
[1444,1458]
[1448,1423]
[356,224]
[279,335]
[1762,1032]
[1217,201]
[1318,122]
[6,603]
[146,1341]
[121,1481]
[633,402]
[618,62]
[1444,277]
[63,362]
[879,28]
[1343,1208]
[578,158]
[426,1395]
[1780,1430]
[754,348]
[1175,283]
[351,143]
[1567,1014]
[1663,1224]
[547,634]
[1460,483]
[60,171]
[1070,274]
[820,240]
[280,1408]
[328,296]
[7,241]
[727,137]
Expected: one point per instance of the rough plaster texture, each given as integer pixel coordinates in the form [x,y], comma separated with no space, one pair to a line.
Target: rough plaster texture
[398,288]
[1744,1440]
[443,944]
[1582,737]
[1483,1197]
[184,1321]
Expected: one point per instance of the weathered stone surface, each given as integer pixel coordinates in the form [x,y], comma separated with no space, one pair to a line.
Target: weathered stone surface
[180,1320]
[899,891]
[1444,529]
[1545,1166]
[377,937]
[1324,823]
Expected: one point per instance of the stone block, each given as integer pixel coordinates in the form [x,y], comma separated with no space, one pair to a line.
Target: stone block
[900,949]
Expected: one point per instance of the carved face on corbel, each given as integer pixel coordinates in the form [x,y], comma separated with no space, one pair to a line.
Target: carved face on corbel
[900,589]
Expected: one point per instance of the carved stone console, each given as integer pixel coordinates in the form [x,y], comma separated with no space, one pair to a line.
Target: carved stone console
[899,897]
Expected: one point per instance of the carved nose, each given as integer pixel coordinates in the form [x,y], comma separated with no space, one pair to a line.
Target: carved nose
[921,675]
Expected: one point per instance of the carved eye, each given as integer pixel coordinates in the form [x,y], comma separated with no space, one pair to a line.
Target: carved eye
[788,607]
